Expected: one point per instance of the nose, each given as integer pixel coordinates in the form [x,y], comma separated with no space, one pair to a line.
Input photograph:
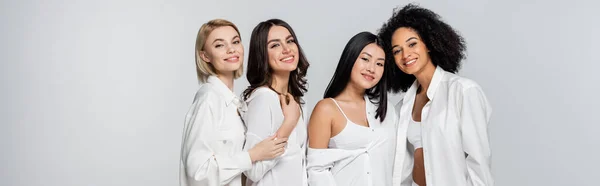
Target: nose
[231,49]
[286,49]
[371,67]
[405,55]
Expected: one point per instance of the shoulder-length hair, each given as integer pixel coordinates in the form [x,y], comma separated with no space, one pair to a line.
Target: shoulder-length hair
[260,74]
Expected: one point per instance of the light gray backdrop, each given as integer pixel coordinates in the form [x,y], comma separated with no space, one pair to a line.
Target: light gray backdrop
[95,92]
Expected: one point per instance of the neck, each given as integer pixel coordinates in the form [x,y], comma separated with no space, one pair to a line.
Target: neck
[280,82]
[352,92]
[424,76]
[227,79]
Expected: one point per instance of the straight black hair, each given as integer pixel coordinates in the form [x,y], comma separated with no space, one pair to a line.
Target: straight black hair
[377,94]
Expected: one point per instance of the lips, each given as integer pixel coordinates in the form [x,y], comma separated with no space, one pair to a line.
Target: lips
[368,77]
[233,59]
[287,59]
[410,63]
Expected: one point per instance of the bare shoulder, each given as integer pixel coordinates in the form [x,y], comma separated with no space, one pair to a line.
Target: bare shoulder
[325,107]
[323,111]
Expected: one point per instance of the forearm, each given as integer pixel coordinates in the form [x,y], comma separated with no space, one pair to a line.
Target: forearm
[286,128]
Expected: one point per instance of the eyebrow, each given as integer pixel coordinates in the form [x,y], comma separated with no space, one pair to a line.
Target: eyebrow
[219,39]
[411,38]
[278,40]
[372,56]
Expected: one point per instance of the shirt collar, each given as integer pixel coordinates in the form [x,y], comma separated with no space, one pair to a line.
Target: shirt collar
[437,78]
[438,75]
[223,90]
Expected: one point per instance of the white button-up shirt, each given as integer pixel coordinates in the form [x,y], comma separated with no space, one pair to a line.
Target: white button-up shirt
[263,119]
[455,136]
[213,138]
[358,155]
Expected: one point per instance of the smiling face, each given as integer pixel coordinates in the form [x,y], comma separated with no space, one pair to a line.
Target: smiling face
[224,50]
[282,50]
[409,51]
[368,67]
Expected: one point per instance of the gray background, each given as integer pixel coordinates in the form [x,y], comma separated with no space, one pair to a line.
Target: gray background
[95,92]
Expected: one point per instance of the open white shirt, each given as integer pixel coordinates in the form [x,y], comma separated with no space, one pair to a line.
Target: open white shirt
[263,118]
[213,138]
[363,156]
[455,136]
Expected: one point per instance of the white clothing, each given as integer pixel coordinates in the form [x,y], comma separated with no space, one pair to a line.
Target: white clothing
[414,134]
[455,137]
[358,155]
[213,138]
[263,119]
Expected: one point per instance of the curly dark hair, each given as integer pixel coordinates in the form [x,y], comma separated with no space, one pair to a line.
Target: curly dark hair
[260,74]
[446,47]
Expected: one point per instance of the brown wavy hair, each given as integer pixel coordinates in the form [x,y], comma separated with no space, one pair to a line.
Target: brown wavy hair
[260,74]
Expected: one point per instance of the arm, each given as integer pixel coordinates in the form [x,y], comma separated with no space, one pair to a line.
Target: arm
[319,126]
[319,132]
[474,120]
[202,163]
[291,114]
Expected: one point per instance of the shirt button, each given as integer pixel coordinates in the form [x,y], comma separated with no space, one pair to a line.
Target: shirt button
[368,172]
[373,130]
[224,141]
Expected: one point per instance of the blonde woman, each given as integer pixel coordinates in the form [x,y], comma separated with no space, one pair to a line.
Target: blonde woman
[213,136]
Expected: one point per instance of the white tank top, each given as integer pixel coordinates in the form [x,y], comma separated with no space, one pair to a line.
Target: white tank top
[414,134]
[372,168]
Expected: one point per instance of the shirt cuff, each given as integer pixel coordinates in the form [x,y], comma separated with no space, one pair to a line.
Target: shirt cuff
[244,160]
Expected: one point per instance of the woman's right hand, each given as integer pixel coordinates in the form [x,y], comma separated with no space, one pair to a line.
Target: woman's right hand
[290,108]
[269,148]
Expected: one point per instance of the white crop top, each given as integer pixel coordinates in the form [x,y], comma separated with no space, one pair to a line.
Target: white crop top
[414,134]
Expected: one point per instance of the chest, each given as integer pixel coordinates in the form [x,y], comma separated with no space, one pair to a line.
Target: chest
[439,116]
[419,103]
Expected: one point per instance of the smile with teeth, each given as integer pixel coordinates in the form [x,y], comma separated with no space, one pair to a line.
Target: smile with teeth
[408,63]
[288,59]
[233,59]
